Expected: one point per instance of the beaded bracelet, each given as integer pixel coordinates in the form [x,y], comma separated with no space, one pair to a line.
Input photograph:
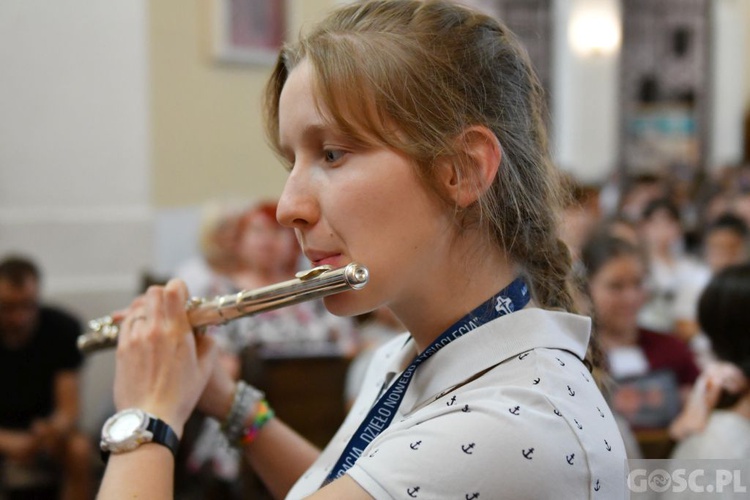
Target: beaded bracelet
[246,398]
[263,414]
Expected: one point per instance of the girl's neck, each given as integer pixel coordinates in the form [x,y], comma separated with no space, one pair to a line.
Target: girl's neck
[447,296]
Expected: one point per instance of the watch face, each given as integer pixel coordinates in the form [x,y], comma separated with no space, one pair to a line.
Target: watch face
[124,426]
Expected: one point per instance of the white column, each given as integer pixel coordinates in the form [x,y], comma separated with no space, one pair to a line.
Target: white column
[585,90]
[729,62]
[74,142]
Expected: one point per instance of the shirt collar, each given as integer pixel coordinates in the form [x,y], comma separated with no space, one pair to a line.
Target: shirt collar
[489,345]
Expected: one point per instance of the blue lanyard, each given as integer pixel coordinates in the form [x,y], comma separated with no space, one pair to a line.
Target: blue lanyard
[512,298]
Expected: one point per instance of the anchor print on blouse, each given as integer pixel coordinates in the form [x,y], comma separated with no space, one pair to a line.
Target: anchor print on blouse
[515,410]
[454,400]
[414,493]
[570,459]
[467,448]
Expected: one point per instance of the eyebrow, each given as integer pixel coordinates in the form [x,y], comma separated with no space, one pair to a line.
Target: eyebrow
[313,130]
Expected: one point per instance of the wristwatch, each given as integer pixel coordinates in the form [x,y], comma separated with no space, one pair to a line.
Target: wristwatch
[126,430]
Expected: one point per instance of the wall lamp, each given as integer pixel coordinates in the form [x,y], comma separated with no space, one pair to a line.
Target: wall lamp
[595,31]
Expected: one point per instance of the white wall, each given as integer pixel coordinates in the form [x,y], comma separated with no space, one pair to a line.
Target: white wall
[74,148]
[729,63]
[585,98]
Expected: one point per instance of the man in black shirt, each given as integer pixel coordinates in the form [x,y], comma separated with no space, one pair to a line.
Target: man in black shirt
[39,389]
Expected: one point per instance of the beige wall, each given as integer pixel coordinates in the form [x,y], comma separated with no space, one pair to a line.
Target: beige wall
[207,136]
[207,139]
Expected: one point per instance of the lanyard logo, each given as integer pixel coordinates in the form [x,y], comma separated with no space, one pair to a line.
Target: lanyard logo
[504,305]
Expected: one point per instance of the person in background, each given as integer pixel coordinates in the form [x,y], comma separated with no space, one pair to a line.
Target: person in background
[268,253]
[39,395]
[674,280]
[218,239]
[616,227]
[726,242]
[580,217]
[740,202]
[650,369]
[622,228]
[638,191]
[414,132]
[716,421]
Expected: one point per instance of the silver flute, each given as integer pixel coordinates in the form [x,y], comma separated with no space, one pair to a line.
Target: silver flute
[312,284]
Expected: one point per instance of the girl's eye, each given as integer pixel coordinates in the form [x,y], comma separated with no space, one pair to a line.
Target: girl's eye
[333,155]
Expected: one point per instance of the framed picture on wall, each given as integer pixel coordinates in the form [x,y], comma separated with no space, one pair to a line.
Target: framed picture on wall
[248,31]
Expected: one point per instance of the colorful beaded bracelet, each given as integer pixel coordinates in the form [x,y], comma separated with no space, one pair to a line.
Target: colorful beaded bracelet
[246,399]
[262,416]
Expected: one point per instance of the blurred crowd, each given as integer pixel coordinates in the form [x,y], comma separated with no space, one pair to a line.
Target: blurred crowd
[657,258]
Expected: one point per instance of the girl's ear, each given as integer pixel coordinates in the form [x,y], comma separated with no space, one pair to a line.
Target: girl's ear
[468,176]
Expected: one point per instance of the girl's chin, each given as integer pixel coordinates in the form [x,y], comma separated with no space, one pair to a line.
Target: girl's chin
[349,303]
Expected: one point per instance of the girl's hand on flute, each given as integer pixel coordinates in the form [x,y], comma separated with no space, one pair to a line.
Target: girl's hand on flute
[162,366]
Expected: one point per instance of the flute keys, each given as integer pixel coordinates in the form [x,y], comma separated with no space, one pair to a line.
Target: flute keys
[103,333]
[101,324]
[312,273]
[194,302]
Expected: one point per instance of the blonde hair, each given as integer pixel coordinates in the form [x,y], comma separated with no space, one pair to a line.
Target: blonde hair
[218,232]
[412,76]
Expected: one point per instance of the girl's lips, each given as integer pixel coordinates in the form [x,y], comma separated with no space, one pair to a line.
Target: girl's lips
[319,259]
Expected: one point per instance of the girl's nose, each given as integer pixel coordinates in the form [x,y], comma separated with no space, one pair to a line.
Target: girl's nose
[298,207]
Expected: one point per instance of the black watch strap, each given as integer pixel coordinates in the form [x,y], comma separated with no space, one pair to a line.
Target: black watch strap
[163,434]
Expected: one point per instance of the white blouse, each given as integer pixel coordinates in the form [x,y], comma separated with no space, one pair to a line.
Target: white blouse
[506,411]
